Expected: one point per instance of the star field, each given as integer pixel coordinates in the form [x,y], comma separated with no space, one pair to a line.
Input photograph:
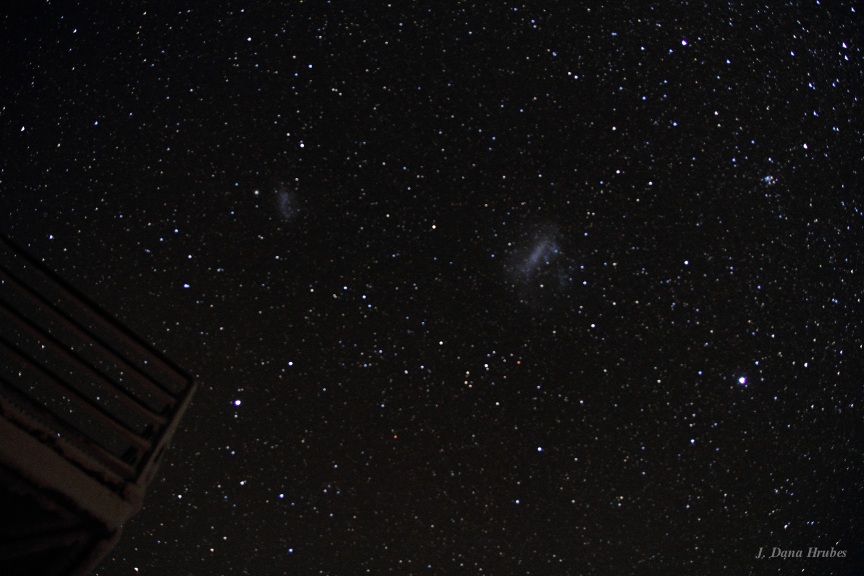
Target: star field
[480,289]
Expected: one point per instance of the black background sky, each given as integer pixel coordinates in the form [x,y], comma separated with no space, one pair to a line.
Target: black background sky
[492,288]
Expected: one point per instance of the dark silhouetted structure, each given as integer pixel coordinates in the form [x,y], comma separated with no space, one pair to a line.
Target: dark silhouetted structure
[86,410]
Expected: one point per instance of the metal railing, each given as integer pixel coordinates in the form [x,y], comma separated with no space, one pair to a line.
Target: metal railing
[79,381]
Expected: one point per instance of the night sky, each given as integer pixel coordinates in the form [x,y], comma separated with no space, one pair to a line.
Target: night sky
[467,288]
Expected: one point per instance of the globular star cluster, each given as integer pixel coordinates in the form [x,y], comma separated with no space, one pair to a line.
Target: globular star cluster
[469,288]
